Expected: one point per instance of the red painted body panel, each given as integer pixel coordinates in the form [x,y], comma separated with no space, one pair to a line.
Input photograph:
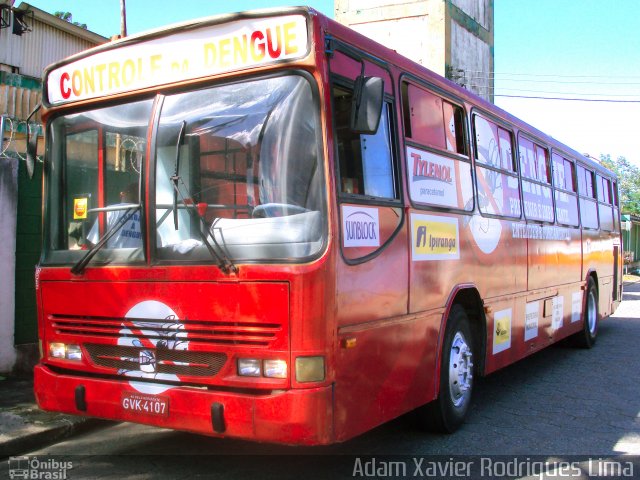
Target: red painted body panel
[294,416]
[376,314]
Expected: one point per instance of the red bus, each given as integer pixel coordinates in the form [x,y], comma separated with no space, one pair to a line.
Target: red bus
[267,226]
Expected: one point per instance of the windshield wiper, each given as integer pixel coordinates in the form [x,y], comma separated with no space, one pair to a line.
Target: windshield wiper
[224,262]
[79,267]
[176,174]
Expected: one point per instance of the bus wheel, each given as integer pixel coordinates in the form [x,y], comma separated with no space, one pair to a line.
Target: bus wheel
[586,338]
[448,411]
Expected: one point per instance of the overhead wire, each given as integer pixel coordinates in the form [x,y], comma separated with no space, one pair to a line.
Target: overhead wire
[475,78]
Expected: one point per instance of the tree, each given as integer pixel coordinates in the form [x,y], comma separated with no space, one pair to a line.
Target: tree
[68,17]
[628,182]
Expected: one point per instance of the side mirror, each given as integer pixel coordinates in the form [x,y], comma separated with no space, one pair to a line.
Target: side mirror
[32,151]
[366,108]
[32,144]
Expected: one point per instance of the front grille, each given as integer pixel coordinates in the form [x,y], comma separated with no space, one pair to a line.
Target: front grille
[204,332]
[160,360]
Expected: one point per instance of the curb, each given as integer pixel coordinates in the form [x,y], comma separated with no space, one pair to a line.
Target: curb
[32,437]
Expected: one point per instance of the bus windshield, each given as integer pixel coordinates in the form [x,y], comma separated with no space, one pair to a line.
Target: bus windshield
[236,174]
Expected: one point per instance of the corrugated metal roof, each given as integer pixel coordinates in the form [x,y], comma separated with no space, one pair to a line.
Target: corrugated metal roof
[49,41]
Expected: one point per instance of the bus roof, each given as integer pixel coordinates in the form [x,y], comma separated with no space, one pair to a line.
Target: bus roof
[184,51]
[391,57]
[80,77]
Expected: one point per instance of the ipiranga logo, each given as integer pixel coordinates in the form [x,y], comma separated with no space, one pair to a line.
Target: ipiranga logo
[434,238]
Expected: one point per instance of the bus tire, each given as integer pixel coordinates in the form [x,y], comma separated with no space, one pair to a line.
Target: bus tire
[447,412]
[586,338]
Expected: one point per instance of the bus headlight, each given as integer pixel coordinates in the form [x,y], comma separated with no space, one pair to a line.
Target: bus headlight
[74,352]
[254,367]
[309,369]
[65,351]
[249,367]
[275,368]
[56,350]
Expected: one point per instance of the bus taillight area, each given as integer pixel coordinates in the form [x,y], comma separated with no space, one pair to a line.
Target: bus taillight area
[293,416]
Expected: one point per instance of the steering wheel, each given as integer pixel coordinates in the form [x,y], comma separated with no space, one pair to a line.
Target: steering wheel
[277,210]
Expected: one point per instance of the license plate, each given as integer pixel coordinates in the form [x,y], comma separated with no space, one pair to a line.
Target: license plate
[149,404]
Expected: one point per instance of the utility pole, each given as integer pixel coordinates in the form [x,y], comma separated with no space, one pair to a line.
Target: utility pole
[123,19]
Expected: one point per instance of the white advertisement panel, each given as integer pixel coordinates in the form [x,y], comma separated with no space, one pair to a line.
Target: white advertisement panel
[181,56]
[360,227]
[432,179]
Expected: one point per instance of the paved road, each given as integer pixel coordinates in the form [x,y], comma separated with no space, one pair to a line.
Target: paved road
[559,402]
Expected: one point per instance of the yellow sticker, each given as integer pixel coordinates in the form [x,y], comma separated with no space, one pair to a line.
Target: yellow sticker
[434,238]
[80,208]
[501,331]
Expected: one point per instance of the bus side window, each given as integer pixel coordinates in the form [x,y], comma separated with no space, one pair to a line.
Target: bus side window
[497,180]
[366,162]
[563,173]
[604,190]
[616,213]
[588,204]
[430,120]
[536,181]
[605,207]
[585,182]
[454,128]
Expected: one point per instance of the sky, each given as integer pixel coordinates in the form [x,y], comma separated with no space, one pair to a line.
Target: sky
[577,49]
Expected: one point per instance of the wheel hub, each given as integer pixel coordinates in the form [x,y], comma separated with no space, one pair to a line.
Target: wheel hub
[592,316]
[460,370]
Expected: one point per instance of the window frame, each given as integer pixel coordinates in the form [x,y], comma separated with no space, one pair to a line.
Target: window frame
[604,195]
[390,98]
[537,145]
[583,197]
[514,172]
[566,159]
[360,198]
[407,78]
[161,95]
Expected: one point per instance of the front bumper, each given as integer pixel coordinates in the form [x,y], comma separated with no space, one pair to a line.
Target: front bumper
[302,417]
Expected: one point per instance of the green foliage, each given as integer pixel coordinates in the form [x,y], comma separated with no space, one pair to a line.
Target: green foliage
[68,17]
[628,182]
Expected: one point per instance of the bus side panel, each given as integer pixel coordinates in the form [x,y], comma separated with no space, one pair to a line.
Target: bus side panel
[554,259]
[375,289]
[491,254]
[388,372]
[379,350]
[598,259]
[525,324]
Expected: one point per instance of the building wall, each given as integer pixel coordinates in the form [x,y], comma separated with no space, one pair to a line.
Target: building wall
[451,37]
[22,61]
[49,41]
[19,95]
[415,29]
[8,208]
[27,252]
